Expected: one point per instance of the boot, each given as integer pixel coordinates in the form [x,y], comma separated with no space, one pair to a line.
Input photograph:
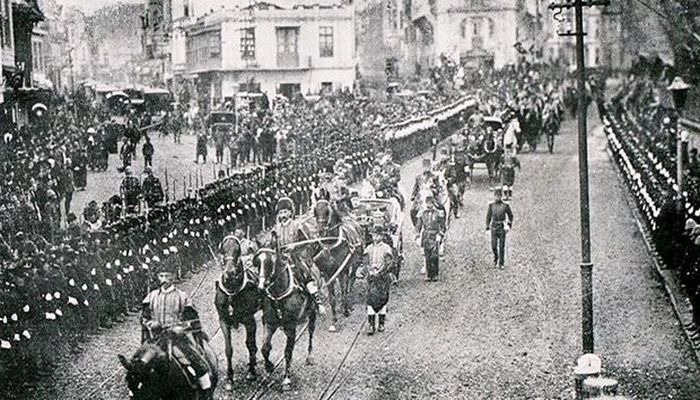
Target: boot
[382,318]
[370,321]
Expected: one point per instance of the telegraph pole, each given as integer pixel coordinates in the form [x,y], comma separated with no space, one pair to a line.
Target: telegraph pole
[586,265]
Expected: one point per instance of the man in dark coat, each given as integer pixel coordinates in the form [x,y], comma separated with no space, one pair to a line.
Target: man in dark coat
[152,189]
[499,219]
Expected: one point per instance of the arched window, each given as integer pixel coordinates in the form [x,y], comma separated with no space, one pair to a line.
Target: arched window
[463,27]
[476,27]
[491,27]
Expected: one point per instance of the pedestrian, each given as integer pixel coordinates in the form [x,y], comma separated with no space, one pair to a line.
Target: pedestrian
[379,260]
[202,141]
[499,220]
[125,153]
[147,151]
[66,186]
[430,230]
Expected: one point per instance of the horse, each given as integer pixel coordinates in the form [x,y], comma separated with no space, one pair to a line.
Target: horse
[493,155]
[285,305]
[153,375]
[337,260]
[237,300]
[487,150]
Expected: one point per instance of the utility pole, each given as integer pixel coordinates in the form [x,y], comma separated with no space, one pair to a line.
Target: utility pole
[586,265]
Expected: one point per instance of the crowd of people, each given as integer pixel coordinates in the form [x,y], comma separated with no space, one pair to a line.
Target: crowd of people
[642,133]
[62,283]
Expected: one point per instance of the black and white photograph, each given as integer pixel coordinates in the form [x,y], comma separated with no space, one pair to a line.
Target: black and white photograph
[349,199]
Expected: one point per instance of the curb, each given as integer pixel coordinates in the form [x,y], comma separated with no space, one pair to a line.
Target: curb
[680,302]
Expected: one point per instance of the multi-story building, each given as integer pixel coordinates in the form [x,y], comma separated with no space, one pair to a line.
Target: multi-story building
[19,18]
[384,48]
[281,46]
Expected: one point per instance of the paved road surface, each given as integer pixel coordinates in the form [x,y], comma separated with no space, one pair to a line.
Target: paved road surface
[479,333]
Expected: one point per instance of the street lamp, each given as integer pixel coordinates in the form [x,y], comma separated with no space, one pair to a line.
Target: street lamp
[679,92]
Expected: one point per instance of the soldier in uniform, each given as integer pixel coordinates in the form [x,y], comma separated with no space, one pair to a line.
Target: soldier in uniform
[152,189]
[508,175]
[287,231]
[379,259]
[499,219]
[130,190]
[430,230]
[170,308]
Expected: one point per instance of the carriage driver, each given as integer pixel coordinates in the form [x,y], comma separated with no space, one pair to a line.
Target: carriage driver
[170,309]
[287,231]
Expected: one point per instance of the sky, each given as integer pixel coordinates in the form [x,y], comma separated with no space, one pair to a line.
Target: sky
[89,6]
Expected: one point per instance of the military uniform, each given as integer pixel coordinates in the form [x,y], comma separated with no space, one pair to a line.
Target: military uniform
[499,219]
[431,227]
[292,231]
[164,308]
[379,259]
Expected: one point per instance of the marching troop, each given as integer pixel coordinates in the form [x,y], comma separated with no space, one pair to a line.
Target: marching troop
[93,274]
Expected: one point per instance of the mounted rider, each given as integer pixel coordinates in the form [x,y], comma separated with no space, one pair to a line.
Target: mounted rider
[288,231]
[169,310]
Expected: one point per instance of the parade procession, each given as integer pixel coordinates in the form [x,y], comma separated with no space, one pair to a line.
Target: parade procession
[364,200]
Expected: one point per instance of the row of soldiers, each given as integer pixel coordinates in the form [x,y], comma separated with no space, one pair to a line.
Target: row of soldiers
[96,277]
[54,294]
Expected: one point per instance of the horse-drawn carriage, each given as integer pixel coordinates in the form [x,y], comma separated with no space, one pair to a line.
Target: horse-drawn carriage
[386,212]
[485,146]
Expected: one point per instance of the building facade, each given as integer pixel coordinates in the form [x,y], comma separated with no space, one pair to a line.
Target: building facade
[270,48]
[469,32]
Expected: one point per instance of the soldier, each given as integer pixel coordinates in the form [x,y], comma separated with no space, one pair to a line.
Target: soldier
[130,191]
[430,228]
[169,308]
[499,219]
[508,175]
[152,189]
[287,231]
[379,259]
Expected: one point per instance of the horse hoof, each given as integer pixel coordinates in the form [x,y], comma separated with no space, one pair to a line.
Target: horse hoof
[332,328]
[310,361]
[286,385]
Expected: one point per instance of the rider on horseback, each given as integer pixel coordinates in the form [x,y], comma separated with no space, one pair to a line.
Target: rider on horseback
[169,310]
[288,231]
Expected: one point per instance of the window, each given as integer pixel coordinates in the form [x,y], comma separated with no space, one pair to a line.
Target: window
[325,38]
[491,27]
[214,45]
[463,28]
[248,44]
[287,41]
[476,27]
[327,87]
[6,24]
[186,10]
